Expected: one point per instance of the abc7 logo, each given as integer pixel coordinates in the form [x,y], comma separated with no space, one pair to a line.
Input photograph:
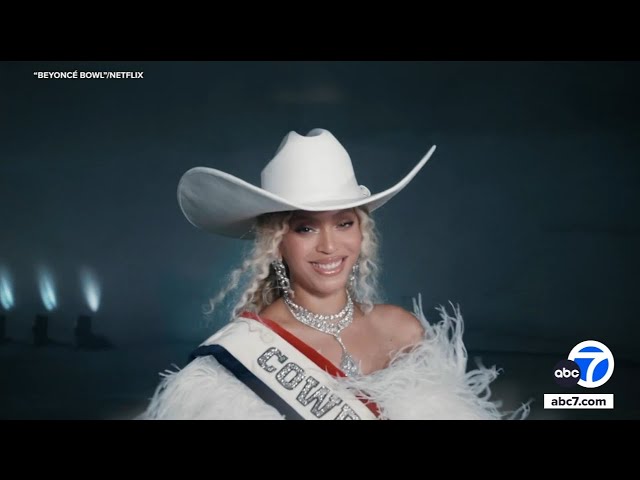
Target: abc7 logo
[590,365]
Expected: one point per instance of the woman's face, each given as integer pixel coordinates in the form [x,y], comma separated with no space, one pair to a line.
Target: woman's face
[321,248]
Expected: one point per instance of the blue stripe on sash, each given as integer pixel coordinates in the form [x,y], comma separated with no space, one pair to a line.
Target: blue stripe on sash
[243,374]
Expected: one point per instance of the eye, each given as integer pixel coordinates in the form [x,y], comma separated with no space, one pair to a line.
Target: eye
[346,224]
[303,229]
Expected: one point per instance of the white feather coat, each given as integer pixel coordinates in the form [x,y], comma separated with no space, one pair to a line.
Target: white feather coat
[430,382]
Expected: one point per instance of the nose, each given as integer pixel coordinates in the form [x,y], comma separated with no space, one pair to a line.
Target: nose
[326,241]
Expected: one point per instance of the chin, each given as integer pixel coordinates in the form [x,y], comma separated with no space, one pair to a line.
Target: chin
[331,286]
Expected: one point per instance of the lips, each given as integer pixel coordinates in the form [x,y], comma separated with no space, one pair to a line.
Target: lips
[330,266]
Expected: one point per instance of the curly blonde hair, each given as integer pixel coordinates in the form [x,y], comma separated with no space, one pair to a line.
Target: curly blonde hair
[260,278]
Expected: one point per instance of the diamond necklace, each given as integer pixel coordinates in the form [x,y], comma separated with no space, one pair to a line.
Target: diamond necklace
[330,324]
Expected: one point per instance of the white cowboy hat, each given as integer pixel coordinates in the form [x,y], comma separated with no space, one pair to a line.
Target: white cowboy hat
[312,172]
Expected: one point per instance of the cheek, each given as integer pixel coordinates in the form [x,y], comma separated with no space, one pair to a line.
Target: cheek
[356,241]
[293,249]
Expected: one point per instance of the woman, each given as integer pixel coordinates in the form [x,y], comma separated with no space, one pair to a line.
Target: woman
[308,339]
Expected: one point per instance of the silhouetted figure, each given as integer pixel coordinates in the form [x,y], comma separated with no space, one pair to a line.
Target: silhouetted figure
[86,339]
[40,335]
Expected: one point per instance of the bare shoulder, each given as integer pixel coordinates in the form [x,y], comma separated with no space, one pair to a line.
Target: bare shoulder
[276,312]
[401,327]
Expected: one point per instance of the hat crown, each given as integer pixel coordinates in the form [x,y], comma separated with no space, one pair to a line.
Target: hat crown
[309,169]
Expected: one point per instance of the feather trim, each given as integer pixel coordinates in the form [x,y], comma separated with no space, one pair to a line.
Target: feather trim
[431,380]
[205,390]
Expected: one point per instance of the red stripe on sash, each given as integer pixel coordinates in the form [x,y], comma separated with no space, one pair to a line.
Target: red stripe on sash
[310,353]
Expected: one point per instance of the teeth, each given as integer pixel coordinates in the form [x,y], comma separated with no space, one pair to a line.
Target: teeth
[328,266]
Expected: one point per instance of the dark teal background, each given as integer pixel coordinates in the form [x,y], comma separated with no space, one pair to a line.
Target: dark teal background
[527,216]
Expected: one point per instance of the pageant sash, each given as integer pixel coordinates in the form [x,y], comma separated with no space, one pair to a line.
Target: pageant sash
[281,375]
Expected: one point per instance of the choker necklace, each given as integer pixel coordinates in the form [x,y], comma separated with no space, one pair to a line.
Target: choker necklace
[330,324]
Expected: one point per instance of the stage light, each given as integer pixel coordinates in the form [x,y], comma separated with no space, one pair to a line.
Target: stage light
[90,288]
[47,290]
[40,331]
[86,339]
[6,301]
[6,289]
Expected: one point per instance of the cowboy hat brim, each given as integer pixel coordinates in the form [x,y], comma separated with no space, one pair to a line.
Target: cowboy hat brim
[221,203]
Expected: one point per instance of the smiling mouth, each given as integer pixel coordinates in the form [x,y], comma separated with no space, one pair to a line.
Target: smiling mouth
[329,267]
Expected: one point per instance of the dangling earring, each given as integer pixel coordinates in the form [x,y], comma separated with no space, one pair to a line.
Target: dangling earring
[281,277]
[354,275]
